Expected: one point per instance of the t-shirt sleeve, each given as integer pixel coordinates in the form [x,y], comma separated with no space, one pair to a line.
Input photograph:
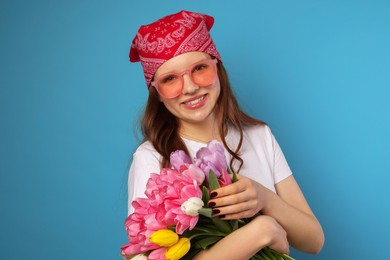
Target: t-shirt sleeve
[281,169]
[145,161]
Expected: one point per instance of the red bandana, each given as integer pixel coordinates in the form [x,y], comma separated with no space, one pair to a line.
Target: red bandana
[171,36]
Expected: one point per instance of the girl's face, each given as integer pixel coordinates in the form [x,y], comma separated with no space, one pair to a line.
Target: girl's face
[195,104]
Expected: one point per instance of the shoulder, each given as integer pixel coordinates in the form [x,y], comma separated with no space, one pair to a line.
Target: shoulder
[259,138]
[259,129]
[256,139]
[255,134]
[146,151]
[260,132]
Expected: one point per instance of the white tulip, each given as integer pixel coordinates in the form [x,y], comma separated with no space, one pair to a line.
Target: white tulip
[140,257]
[192,206]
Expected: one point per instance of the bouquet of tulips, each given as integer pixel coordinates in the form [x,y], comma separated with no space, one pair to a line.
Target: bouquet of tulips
[174,221]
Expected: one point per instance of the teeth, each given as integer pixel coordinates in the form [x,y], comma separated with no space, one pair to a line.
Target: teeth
[193,102]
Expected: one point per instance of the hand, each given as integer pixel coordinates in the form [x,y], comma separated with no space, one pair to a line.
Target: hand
[271,233]
[241,199]
[263,231]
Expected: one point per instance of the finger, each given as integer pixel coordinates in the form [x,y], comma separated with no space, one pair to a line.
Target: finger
[232,209]
[233,188]
[240,215]
[228,200]
[236,208]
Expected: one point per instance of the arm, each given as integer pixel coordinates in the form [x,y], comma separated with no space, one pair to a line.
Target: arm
[145,161]
[288,207]
[291,210]
[246,241]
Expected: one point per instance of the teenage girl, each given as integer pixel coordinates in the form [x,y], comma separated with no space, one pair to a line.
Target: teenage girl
[191,103]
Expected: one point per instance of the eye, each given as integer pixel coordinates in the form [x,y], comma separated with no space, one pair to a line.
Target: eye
[168,79]
[201,66]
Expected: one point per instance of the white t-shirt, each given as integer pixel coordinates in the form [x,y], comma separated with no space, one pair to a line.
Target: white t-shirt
[263,159]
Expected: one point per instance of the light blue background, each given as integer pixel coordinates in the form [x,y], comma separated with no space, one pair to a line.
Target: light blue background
[317,71]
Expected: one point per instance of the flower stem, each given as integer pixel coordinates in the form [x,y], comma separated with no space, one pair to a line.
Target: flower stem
[205,212]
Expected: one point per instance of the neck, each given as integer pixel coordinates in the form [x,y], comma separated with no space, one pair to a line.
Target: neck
[204,132]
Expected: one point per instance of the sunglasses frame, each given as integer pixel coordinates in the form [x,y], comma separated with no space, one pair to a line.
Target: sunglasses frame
[188,70]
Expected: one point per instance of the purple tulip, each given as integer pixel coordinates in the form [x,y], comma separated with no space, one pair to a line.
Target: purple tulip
[179,158]
[212,158]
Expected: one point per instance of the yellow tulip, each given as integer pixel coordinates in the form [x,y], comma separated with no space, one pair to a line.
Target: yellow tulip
[164,237]
[179,249]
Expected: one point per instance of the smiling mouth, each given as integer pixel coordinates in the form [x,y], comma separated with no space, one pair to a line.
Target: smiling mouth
[195,101]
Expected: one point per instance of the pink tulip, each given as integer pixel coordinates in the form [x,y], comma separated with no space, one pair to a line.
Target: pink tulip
[194,173]
[155,188]
[173,206]
[158,254]
[141,224]
[225,179]
[134,248]
[173,198]
[125,249]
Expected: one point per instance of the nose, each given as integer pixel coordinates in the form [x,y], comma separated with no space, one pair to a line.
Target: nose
[189,87]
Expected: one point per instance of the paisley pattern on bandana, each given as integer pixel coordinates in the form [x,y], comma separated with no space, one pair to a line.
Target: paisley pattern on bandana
[171,36]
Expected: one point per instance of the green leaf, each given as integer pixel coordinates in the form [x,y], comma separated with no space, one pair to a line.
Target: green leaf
[222,225]
[205,195]
[234,224]
[193,251]
[197,234]
[213,181]
[233,174]
[234,179]
[172,228]
[206,242]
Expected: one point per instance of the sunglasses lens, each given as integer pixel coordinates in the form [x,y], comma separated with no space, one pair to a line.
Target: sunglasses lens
[170,86]
[204,74]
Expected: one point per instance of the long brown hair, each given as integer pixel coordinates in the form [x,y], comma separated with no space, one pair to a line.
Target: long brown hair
[161,128]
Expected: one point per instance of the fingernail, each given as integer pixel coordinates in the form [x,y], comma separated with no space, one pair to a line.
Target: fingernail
[211,204]
[213,194]
[216,211]
[221,216]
